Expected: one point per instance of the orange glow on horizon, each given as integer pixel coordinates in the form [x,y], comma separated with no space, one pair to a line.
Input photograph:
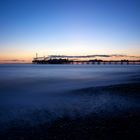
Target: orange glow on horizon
[25,52]
[28,59]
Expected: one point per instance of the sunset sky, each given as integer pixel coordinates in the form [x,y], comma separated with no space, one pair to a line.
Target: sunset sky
[68,27]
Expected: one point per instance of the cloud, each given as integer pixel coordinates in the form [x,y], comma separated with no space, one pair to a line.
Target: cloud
[118,55]
[12,60]
[80,56]
[91,56]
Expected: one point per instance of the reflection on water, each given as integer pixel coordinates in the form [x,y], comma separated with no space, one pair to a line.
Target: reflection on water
[44,92]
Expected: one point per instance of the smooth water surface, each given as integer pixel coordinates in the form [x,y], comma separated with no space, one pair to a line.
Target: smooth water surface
[38,93]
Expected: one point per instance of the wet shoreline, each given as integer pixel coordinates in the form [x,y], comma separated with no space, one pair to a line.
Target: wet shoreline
[105,125]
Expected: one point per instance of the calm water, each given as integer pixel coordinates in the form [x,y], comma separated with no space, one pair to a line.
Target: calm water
[38,93]
[51,78]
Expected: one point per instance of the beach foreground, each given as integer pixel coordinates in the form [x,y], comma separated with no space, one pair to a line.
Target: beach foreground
[103,125]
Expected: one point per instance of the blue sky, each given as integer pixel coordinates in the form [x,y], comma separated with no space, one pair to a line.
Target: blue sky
[69,27]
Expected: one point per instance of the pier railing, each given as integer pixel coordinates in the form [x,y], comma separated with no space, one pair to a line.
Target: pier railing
[67,61]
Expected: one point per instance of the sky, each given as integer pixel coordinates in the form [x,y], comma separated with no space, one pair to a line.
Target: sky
[68,27]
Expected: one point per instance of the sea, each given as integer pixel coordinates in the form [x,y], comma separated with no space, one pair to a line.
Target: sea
[32,94]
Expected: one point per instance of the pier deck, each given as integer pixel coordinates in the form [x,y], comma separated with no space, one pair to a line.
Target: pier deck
[66,61]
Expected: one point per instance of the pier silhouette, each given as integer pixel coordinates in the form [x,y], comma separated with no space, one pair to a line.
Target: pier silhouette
[66,60]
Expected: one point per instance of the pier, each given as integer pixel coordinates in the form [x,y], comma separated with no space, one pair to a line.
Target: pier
[65,60]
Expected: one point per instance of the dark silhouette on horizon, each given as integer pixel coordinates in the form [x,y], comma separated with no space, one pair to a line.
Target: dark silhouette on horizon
[42,60]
